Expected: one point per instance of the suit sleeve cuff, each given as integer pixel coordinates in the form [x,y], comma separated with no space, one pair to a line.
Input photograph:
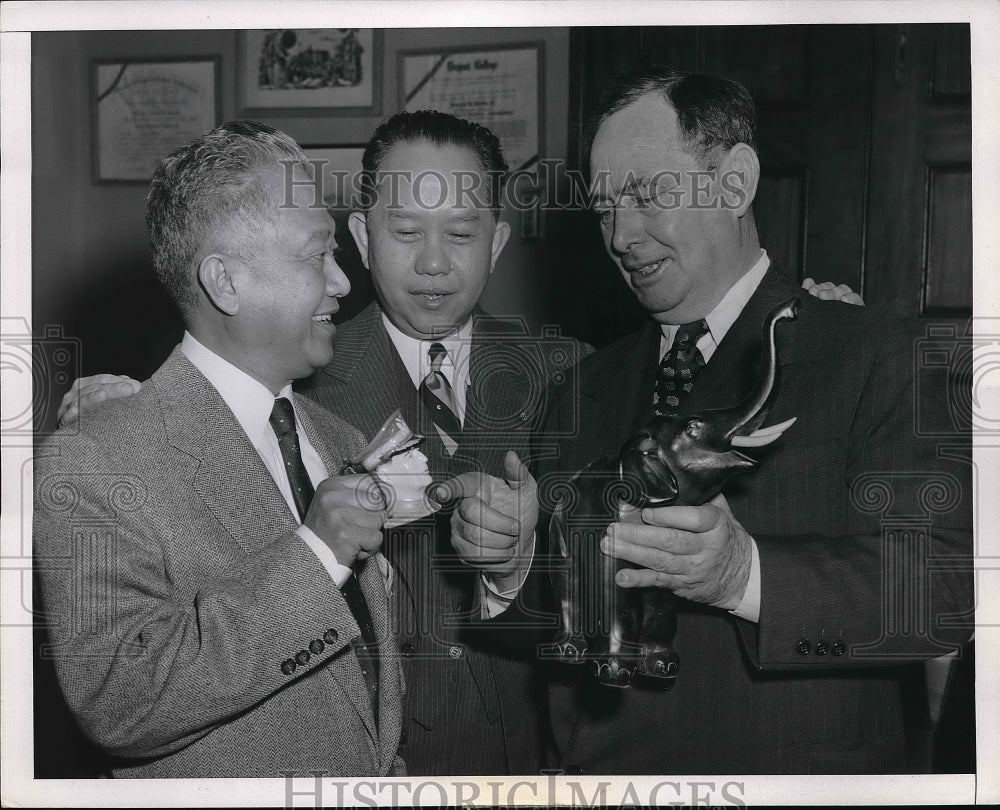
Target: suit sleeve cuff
[749,608]
[493,601]
[338,573]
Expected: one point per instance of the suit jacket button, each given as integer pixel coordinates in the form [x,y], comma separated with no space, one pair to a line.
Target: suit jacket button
[302,657]
[822,648]
[803,647]
[407,649]
[288,666]
[316,646]
[330,636]
[403,736]
[838,648]
[455,652]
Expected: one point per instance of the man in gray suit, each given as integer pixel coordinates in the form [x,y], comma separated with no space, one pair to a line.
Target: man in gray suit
[217,602]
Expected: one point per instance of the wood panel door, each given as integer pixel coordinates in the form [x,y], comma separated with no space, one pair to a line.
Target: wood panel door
[919,253]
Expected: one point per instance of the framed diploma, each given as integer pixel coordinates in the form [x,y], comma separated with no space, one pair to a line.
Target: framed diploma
[145,108]
[499,86]
[310,71]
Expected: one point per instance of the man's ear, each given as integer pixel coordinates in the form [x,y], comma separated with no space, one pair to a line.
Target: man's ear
[500,236]
[357,224]
[740,173]
[218,285]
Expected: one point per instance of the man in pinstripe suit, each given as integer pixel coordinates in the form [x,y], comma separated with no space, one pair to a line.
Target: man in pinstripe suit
[468,708]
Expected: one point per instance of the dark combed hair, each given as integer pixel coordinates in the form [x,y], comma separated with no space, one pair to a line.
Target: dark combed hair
[712,112]
[440,129]
[215,182]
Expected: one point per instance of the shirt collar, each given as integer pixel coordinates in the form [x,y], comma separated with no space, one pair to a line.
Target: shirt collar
[414,352]
[729,308]
[250,401]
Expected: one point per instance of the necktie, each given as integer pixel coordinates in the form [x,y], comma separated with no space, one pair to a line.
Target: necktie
[679,368]
[283,423]
[436,394]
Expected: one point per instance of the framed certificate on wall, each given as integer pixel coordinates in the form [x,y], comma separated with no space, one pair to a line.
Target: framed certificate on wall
[142,109]
[498,86]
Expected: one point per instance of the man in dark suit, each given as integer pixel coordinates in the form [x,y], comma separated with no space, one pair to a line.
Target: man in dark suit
[197,560]
[813,581]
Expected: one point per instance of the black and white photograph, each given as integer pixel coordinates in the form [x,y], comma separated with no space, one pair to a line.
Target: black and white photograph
[597,410]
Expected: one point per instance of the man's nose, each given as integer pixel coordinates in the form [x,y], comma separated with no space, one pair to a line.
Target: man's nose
[433,259]
[337,283]
[626,229]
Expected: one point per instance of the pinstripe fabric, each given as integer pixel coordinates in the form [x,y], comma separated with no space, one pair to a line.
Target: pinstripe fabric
[746,701]
[467,710]
[204,591]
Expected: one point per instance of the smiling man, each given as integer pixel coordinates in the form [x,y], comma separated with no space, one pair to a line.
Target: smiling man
[431,236]
[795,581]
[217,605]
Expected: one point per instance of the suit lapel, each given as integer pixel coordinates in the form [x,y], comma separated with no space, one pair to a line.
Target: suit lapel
[733,368]
[626,376]
[200,424]
[373,586]
[363,384]
[499,393]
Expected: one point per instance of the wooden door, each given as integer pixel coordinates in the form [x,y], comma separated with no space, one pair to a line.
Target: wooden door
[919,252]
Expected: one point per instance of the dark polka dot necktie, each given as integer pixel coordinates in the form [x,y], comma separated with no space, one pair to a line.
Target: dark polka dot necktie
[678,369]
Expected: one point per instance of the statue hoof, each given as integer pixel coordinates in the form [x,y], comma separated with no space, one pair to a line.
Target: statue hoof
[573,651]
[610,673]
[662,664]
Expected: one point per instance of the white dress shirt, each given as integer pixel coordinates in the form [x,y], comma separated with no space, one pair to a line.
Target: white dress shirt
[719,322]
[415,355]
[251,403]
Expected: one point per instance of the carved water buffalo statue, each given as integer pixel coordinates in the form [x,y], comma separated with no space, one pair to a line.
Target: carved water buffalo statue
[675,460]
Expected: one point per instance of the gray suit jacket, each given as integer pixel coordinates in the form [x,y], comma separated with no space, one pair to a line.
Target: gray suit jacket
[175,587]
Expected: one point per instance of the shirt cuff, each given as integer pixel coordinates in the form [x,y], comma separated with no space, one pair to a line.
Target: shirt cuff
[749,608]
[338,573]
[494,602]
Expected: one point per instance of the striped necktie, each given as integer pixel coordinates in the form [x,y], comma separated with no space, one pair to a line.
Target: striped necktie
[436,394]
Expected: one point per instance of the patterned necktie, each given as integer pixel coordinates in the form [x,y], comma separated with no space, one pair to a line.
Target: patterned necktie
[283,423]
[436,394]
[678,369]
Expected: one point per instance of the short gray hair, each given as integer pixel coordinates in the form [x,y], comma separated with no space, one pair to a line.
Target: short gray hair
[211,183]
